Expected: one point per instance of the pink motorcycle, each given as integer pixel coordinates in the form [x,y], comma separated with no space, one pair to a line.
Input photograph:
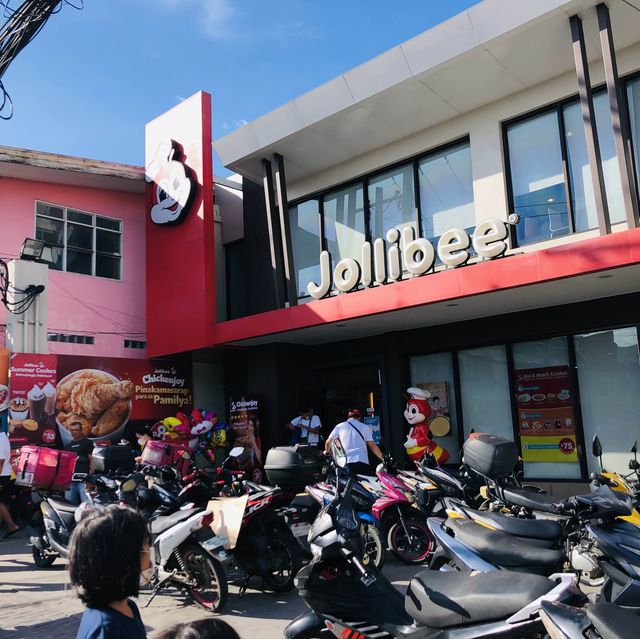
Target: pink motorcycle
[402,524]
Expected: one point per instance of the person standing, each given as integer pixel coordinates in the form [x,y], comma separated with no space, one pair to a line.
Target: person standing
[109,557]
[5,485]
[305,428]
[83,448]
[357,441]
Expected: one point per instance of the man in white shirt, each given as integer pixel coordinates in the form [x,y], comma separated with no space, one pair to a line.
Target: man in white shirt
[356,440]
[305,427]
[5,484]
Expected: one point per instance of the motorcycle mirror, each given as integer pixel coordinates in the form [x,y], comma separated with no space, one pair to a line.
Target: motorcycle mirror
[596,448]
[337,451]
[634,448]
[236,451]
[128,486]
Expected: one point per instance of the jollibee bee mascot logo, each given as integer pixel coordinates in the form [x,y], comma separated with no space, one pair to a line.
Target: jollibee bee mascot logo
[417,413]
[174,190]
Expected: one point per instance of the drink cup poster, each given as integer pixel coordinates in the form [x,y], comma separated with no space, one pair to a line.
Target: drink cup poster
[32,397]
[544,399]
[244,422]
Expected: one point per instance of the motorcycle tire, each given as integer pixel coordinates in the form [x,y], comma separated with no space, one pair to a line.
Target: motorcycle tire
[284,541]
[411,551]
[372,545]
[41,559]
[212,590]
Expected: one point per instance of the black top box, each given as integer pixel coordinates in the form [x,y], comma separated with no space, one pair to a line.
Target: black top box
[113,459]
[490,455]
[293,467]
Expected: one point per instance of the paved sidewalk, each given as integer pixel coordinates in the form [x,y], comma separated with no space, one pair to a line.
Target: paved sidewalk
[39,603]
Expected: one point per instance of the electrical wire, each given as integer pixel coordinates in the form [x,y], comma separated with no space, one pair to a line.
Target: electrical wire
[20,27]
[22,299]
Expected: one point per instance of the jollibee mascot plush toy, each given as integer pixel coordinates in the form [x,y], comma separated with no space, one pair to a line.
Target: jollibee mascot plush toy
[417,414]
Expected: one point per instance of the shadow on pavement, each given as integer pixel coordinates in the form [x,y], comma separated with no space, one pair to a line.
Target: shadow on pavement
[62,627]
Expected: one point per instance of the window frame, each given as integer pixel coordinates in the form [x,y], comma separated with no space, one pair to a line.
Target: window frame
[94,234]
[363,182]
[558,106]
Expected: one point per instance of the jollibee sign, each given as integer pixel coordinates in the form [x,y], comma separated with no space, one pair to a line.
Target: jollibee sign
[405,252]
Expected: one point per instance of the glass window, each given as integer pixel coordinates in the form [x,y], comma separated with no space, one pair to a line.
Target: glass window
[304,222]
[582,197]
[537,179]
[392,201]
[446,191]
[544,400]
[81,242]
[344,223]
[435,372]
[633,100]
[609,378]
[484,391]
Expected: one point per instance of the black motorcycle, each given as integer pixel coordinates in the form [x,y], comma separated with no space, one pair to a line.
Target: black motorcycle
[352,600]
[602,621]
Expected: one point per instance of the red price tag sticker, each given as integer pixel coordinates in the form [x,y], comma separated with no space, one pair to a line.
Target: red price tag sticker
[567,446]
[49,436]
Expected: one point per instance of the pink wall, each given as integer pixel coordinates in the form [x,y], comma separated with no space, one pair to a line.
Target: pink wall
[81,304]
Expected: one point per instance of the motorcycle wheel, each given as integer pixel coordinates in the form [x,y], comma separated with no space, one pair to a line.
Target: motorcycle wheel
[212,590]
[372,546]
[41,559]
[413,550]
[283,580]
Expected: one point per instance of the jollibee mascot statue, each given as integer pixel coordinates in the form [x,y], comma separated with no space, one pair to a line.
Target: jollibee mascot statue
[417,414]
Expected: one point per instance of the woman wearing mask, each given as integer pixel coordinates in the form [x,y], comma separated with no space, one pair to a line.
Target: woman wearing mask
[108,560]
[143,435]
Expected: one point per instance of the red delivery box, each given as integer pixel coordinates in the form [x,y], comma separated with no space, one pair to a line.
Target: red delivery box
[41,467]
[157,453]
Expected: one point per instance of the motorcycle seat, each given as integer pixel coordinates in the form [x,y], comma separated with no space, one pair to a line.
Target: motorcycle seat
[613,622]
[529,499]
[528,528]
[445,599]
[164,522]
[303,501]
[505,550]
[63,506]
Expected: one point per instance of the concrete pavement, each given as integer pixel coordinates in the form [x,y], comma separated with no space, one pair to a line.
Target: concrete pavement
[39,603]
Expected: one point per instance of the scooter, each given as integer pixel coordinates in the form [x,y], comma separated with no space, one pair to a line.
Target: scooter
[353,600]
[52,525]
[602,621]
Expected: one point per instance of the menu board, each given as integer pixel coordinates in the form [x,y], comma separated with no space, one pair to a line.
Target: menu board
[544,399]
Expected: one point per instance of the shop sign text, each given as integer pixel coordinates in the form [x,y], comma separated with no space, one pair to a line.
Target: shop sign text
[405,252]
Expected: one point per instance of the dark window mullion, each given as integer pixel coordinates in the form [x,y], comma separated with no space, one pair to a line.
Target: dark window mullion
[323,239]
[416,192]
[366,212]
[565,168]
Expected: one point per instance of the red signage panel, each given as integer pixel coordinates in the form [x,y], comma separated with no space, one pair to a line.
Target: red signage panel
[180,228]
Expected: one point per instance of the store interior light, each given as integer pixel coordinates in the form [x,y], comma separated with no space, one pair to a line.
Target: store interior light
[31,250]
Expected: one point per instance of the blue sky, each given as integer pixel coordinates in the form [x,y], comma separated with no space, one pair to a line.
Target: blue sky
[91,79]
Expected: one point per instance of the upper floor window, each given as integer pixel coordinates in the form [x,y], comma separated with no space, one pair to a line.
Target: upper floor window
[551,185]
[82,242]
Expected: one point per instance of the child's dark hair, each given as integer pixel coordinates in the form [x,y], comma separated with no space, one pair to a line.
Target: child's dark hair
[104,555]
[144,429]
[201,629]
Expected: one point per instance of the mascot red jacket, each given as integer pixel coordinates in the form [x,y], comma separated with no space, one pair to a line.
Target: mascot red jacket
[417,413]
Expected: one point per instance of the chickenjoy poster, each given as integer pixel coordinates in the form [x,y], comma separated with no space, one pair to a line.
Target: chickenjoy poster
[544,400]
[244,420]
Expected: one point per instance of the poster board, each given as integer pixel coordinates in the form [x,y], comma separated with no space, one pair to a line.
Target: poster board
[546,421]
[244,422]
[440,420]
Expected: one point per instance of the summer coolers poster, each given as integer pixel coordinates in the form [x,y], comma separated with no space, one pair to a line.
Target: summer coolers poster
[544,399]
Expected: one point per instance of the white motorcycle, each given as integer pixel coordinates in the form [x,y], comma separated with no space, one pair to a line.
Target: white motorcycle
[182,546]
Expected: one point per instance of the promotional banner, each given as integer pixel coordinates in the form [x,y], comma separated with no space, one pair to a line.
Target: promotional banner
[440,419]
[32,397]
[244,422]
[544,399]
[103,394]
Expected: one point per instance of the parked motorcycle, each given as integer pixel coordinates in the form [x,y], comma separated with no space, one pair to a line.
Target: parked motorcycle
[602,621]
[353,600]
[52,525]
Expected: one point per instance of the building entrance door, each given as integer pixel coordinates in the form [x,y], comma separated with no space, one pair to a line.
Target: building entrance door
[350,387]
